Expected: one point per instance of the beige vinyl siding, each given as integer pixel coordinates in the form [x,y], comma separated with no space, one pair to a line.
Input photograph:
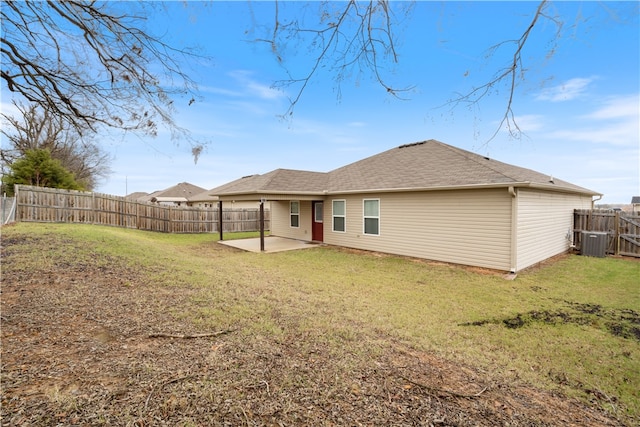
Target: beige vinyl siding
[253,204]
[545,220]
[280,225]
[465,227]
[244,205]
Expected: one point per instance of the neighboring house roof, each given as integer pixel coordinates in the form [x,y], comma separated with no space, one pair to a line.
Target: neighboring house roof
[136,195]
[427,165]
[635,200]
[181,190]
[149,196]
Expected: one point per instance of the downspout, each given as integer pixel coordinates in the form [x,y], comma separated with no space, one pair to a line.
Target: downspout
[514,230]
[593,202]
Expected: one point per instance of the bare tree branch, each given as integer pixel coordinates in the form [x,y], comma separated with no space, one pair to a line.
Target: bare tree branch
[360,36]
[356,36]
[509,75]
[92,64]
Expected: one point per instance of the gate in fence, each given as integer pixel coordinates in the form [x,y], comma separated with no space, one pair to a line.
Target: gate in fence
[629,236]
[622,229]
[7,210]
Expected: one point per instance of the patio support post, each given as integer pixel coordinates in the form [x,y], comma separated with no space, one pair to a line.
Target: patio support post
[220,218]
[261,225]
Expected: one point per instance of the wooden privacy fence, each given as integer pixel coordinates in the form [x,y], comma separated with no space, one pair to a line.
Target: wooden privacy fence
[622,228]
[40,204]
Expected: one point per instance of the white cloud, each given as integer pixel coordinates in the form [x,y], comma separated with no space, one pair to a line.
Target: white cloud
[566,91]
[220,91]
[244,86]
[357,124]
[9,109]
[618,107]
[248,109]
[252,87]
[264,91]
[529,122]
[622,134]
[617,122]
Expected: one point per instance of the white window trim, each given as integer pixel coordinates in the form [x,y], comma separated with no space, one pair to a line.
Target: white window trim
[365,217]
[292,213]
[333,216]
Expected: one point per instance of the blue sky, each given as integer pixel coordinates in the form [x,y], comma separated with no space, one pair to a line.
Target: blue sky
[578,108]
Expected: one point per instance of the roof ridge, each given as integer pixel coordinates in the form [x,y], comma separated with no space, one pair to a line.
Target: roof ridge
[474,157]
[269,176]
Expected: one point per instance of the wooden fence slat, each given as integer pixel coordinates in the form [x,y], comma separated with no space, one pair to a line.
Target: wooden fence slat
[41,204]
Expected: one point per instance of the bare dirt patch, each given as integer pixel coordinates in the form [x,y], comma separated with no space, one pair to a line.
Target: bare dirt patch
[624,323]
[83,345]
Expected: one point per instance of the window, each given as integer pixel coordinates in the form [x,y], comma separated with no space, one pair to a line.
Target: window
[339,215]
[317,214]
[372,216]
[294,214]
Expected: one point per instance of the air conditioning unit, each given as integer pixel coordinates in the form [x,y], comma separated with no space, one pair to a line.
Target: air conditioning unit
[594,243]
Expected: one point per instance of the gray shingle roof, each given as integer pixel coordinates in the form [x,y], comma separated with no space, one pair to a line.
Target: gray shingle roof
[137,195]
[423,165]
[204,196]
[183,189]
[635,200]
[277,181]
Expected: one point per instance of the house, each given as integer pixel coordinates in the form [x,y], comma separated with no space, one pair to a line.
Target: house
[204,200]
[635,204]
[427,200]
[177,195]
[136,196]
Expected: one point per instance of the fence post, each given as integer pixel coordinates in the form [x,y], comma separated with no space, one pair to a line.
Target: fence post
[137,215]
[616,232]
[262,225]
[220,218]
[170,225]
[16,191]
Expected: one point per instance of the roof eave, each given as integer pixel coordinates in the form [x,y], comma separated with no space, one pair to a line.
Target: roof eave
[553,187]
[526,184]
[269,195]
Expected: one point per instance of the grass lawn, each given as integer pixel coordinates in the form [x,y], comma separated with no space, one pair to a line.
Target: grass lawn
[571,325]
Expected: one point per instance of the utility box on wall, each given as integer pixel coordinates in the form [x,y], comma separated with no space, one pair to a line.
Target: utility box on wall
[594,243]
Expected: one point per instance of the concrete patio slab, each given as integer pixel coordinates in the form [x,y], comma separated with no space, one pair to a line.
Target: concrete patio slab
[271,244]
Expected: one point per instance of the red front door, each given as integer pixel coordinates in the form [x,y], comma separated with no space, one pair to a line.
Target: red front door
[316,226]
